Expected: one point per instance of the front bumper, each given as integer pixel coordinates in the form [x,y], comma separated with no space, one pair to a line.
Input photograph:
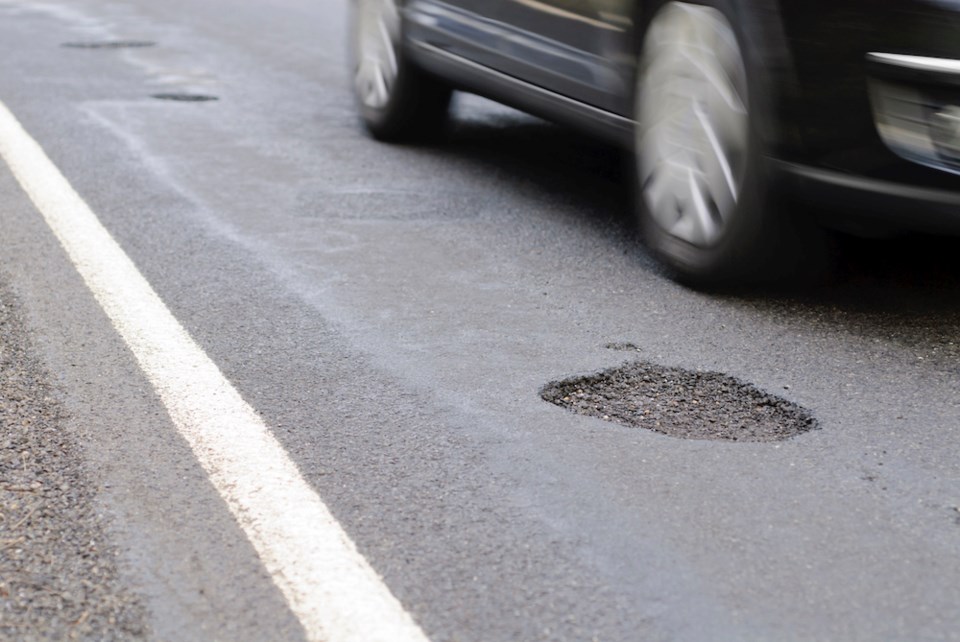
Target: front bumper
[916,107]
[876,104]
[872,204]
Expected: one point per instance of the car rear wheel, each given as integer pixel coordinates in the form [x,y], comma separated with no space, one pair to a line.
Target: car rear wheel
[702,188]
[397,101]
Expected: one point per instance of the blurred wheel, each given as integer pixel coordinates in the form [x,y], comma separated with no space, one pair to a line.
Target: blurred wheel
[701,183]
[397,101]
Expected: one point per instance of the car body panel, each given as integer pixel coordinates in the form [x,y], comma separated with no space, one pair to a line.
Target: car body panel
[574,61]
[575,47]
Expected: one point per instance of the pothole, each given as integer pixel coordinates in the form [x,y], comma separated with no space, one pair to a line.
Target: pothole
[622,346]
[186,98]
[110,44]
[682,403]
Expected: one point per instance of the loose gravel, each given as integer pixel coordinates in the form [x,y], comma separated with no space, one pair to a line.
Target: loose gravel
[682,403]
[58,574]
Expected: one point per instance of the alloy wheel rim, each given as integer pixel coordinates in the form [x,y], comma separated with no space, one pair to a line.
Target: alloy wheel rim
[378,32]
[692,122]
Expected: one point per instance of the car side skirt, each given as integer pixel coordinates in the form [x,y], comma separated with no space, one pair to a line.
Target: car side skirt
[477,78]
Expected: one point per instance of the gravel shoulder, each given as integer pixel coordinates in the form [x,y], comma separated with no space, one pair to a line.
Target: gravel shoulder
[58,572]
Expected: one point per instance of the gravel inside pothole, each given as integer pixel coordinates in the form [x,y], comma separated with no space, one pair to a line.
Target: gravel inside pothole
[682,403]
[58,573]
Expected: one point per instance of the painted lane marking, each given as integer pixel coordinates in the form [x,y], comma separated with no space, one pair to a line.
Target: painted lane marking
[329,586]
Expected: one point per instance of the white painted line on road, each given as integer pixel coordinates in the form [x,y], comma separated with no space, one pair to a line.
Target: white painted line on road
[331,588]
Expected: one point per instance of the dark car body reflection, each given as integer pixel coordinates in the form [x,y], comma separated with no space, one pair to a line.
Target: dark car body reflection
[725,102]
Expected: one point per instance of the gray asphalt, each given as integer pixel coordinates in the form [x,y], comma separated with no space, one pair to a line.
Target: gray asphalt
[394,312]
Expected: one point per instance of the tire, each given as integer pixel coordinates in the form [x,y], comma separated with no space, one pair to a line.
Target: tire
[703,187]
[396,100]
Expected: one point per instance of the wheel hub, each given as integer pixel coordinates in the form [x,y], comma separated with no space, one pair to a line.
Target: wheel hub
[378,32]
[692,127]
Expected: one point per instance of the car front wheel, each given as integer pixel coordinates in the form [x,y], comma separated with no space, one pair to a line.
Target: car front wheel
[702,188]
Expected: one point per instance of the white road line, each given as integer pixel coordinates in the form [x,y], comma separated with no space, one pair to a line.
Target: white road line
[330,587]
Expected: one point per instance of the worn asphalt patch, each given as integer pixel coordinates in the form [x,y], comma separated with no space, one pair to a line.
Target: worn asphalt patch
[682,403]
[58,575]
[110,44]
[185,98]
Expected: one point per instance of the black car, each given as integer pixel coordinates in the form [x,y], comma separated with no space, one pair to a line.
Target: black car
[727,105]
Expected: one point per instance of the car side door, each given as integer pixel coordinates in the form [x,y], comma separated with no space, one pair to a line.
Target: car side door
[581,49]
[464,28]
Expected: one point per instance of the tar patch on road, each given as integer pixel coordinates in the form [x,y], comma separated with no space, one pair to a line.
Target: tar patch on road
[110,44]
[58,576]
[186,98]
[622,346]
[682,403]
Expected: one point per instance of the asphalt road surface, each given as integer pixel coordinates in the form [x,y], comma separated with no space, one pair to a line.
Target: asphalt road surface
[389,317]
